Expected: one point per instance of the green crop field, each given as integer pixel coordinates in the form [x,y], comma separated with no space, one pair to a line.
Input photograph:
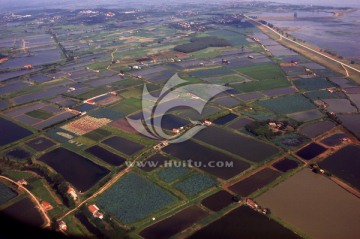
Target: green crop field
[263,71]
[288,104]
[261,85]
[212,72]
[133,198]
[39,114]
[97,134]
[195,184]
[170,174]
[127,106]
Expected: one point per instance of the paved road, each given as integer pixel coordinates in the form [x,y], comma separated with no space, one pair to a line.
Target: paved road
[306,47]
[34,199]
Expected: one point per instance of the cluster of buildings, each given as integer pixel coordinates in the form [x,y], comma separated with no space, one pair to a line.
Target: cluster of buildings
[191,26]
[253,205]
[161,145]
[95,13]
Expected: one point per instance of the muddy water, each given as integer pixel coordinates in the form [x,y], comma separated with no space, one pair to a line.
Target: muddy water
[315,205]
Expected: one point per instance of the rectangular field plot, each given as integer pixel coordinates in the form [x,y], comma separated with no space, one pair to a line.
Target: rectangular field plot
[311,151]
[351,123]
[154,162]
[246,147]
[315,129]
[174,224]
[288,104]
[6,194]
[345,164]
[263,71]
[77,170]
[310,84]
[97,134]
[40,144]
[244,222]
[212,72]
[195,184]
[39,115]
[11,132]
[255,182]
[315,205]
[106,155]
[86,124]
[218,200]
[225,119]
[305,116]
[170,174]
[24,211]
[262,85]
[133,198]
[123,145]
[286,164]
[203,155]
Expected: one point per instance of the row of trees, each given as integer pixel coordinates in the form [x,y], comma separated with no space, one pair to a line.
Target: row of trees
[56,181]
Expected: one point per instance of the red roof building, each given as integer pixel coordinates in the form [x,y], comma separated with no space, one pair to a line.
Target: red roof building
[28,66]
[22,182]
[93,208]
[251,203]
[46,206]
[95,211]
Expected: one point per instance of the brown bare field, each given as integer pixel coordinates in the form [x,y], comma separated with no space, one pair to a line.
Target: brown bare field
[86,125]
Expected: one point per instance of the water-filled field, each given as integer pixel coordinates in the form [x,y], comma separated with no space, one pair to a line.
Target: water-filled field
[345,164]
[6,194]
[40,144]
[244,222]
[11,132]
[286,164]
[105,155]
[351,123]
[334,139]
[245,147]
[311,151]
[255,182]
[123,145]
[174,224]
[79,171]
[218,200]
[203,155]
[24,211]
[315,129]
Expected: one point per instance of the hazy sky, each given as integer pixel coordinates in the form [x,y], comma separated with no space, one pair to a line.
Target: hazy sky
[59,3]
